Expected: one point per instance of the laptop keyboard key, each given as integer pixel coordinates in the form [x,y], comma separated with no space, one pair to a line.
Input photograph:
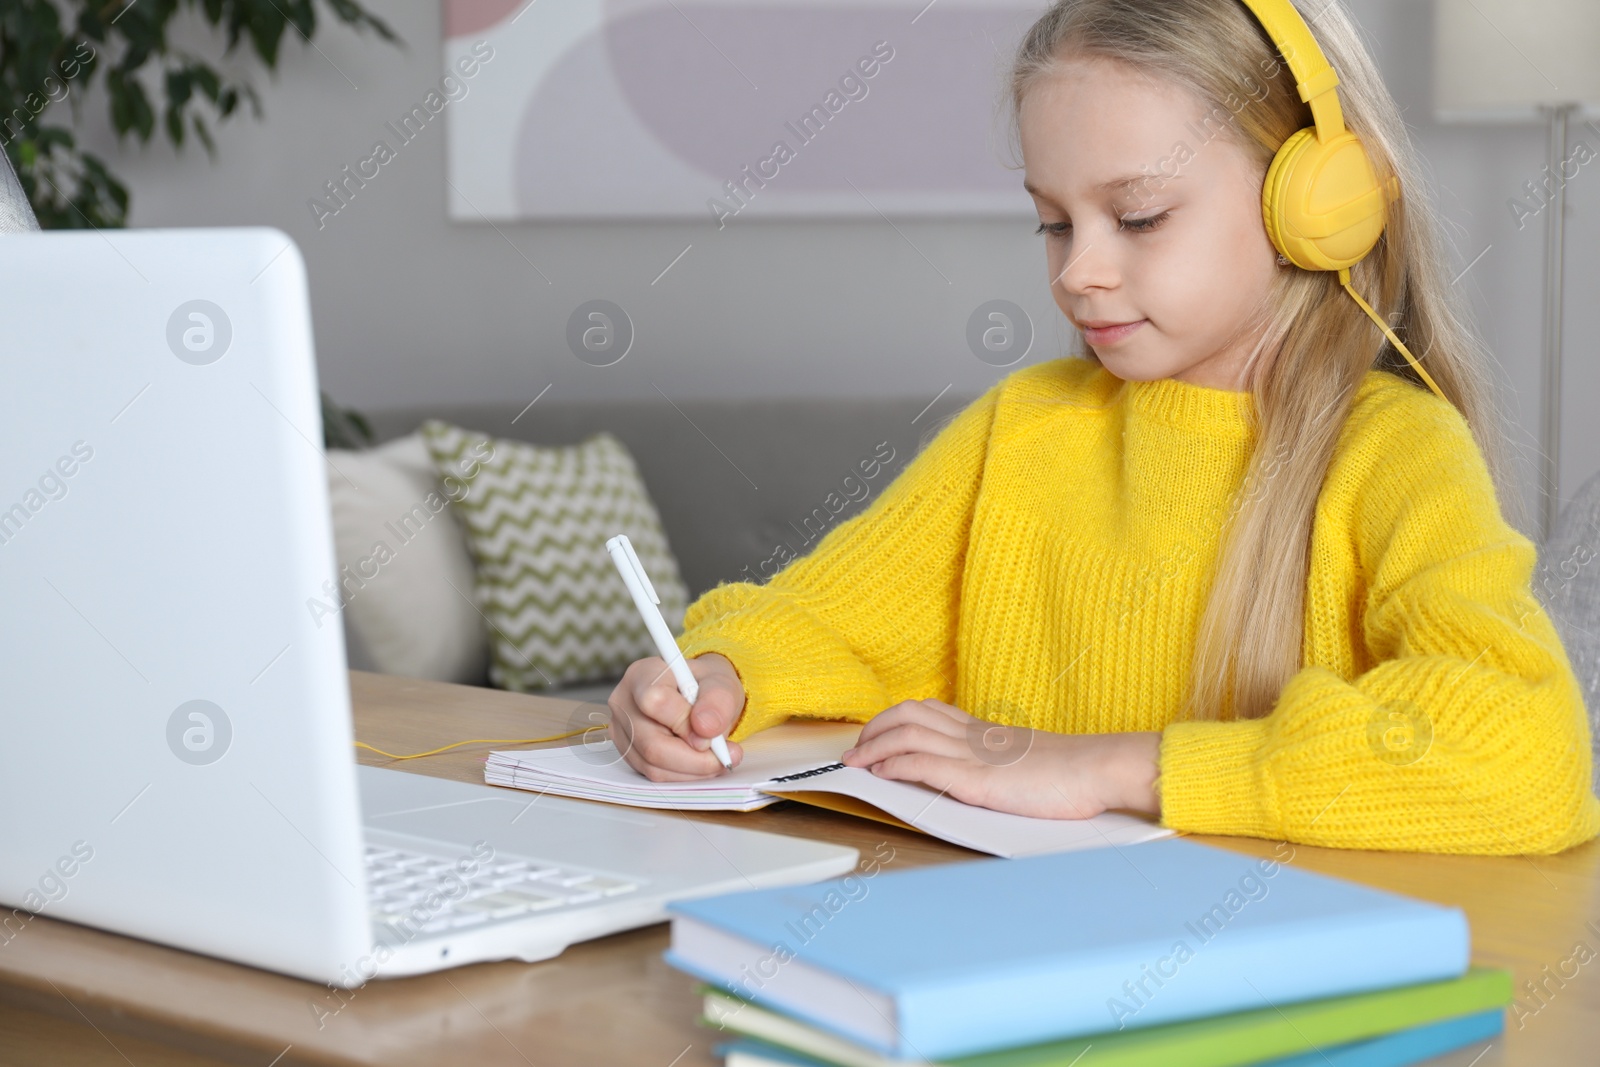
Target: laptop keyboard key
[528,898]
[567,878]
[412,892]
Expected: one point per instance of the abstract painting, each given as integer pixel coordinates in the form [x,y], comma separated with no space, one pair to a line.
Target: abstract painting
[686,109]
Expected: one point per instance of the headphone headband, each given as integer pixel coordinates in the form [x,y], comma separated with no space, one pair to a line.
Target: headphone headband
[1314,76]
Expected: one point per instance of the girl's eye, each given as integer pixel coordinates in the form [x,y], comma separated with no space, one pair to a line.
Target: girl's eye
[1054,229]
[1146,224]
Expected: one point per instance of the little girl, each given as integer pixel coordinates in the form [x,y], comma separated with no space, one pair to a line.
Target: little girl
[1244,566]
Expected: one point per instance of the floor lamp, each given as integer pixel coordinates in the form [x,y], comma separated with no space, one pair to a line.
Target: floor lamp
[1514,61]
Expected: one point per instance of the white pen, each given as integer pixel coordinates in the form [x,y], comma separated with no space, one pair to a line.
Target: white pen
[645,599]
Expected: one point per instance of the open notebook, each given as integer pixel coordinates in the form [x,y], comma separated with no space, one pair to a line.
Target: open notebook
[800,761]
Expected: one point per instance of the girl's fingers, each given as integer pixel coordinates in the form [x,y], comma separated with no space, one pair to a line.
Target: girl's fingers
[652,690]
[955,713]
[908,712]
[939,772]
[911,737]
[718,707]
[650,720]
[661,755]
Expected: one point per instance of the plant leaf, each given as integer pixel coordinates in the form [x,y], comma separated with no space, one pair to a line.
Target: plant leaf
[49,44]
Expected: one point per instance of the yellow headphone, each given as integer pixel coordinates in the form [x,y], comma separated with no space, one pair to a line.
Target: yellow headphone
[1322,203]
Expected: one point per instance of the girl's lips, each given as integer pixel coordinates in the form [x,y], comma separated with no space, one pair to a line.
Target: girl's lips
[1111,334]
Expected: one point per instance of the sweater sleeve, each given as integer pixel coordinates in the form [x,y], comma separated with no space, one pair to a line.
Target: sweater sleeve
[1468,734]
[867,618]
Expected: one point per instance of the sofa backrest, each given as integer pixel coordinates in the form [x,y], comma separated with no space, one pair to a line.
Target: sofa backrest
[741,485]
[1567,582]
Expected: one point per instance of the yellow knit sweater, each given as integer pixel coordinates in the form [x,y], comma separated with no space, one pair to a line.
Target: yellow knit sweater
[1044,560]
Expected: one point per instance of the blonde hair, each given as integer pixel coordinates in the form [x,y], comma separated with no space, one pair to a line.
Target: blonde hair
[1251,632]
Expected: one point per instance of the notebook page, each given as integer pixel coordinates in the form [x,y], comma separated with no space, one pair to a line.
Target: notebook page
[995,832]
[598,771]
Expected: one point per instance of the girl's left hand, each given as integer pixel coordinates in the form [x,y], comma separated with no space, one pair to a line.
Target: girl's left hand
[1010,768]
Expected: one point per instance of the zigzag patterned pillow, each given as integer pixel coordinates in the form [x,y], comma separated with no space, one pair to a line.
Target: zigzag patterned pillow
[537,519]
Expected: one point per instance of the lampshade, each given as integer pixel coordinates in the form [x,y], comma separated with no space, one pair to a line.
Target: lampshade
[1499,60]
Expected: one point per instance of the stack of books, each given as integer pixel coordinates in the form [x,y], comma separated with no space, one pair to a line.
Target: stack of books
[1169,952]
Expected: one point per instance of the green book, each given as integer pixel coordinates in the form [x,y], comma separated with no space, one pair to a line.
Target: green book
[1231,1040]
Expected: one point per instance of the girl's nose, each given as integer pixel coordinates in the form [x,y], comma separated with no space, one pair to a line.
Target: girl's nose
[1086,265]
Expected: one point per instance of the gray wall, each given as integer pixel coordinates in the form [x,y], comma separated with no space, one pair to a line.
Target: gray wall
[410,309]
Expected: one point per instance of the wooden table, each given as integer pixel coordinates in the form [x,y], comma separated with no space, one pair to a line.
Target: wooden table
[72,995]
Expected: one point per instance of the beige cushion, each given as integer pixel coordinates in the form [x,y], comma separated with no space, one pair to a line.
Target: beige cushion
[406,576]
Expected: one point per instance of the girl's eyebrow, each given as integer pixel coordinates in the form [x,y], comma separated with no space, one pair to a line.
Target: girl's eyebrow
[1115,183]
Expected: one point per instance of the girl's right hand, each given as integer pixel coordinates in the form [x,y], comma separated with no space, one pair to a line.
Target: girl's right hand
[657,732]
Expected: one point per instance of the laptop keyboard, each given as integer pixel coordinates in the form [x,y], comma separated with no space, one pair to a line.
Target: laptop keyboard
[412,893]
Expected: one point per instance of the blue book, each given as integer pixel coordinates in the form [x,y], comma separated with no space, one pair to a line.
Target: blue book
[1399,1049]
[945,961]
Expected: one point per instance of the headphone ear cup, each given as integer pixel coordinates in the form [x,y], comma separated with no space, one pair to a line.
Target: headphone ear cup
[1321,203]
[1272,193]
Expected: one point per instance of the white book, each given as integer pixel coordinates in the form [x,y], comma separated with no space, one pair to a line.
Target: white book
[800,760]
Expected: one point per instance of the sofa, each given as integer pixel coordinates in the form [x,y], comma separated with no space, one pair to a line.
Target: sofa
[741,485]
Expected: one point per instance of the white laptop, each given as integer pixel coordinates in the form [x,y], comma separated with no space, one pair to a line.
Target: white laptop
[177,759]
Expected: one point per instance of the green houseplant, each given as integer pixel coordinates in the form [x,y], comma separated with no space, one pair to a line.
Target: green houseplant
[52,51]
